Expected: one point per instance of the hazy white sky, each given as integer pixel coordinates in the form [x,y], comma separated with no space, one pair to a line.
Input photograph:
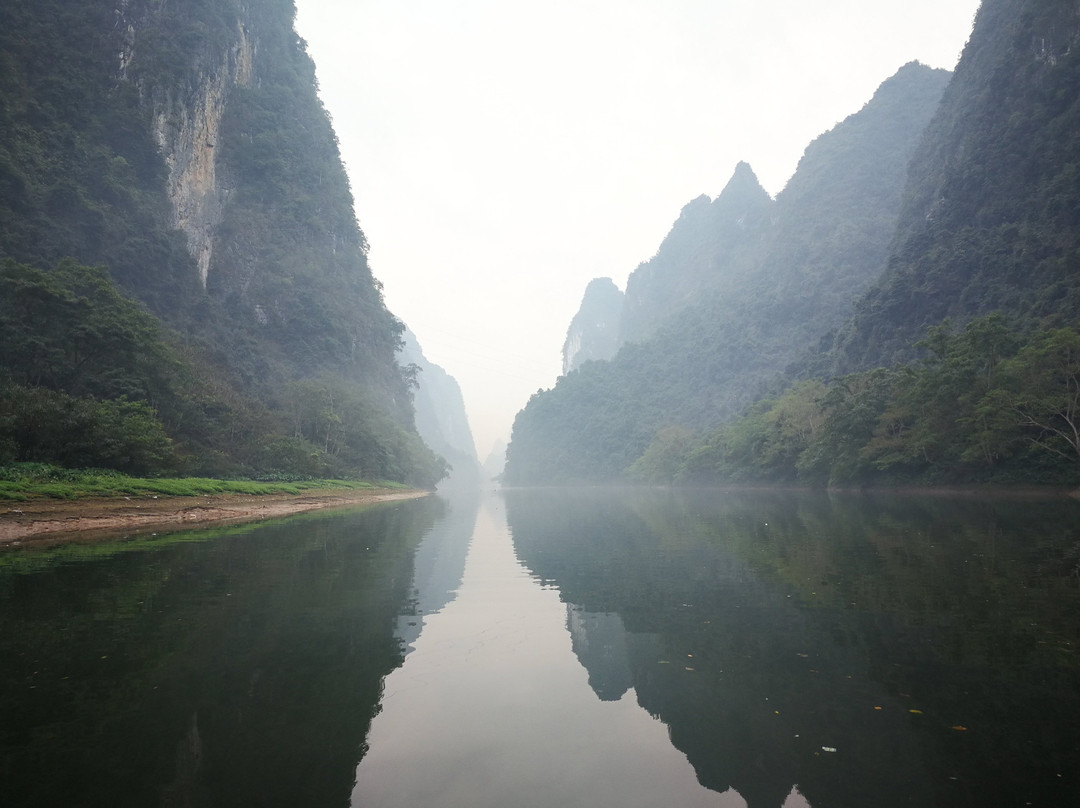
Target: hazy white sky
[503,153]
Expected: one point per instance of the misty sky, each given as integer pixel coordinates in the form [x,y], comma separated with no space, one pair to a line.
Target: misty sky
[504,153]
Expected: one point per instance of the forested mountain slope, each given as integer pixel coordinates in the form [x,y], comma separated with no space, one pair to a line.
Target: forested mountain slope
[991,220]
[440,414]
[739,291]
[961,362]
[183,147]
[713,246]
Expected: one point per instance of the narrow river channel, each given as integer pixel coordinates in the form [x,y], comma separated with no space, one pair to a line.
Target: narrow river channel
[556,648]
[492,708]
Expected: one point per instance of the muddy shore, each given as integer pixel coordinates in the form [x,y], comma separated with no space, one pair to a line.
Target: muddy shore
[48,522]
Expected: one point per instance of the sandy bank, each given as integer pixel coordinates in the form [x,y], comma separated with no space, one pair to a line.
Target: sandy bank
[46,522]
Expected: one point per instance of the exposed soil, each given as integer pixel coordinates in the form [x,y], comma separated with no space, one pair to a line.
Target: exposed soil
[47,522]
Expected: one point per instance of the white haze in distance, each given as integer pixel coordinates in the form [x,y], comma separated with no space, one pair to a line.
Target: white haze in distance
[504,153]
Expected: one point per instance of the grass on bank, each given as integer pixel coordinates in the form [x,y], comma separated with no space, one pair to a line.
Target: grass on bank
[20,482]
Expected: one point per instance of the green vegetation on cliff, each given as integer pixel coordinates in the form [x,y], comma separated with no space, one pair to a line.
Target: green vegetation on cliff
[771,278]
[914,318]
[186,288]
[982,407]
[991,220]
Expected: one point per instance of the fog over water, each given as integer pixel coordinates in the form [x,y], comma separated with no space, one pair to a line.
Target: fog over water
[497,666]
[597,647]
[503,154]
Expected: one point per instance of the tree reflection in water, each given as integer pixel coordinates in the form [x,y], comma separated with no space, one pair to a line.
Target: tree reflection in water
[874,650]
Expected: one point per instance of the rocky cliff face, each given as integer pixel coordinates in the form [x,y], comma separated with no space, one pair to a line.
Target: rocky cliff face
[710,248]
[992,212]
[182,145]
[739,294]
[594,331]
[256,185]
[187,132]
[186,117]
[440,414]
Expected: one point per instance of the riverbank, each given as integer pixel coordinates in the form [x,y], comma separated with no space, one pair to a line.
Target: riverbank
[43,522]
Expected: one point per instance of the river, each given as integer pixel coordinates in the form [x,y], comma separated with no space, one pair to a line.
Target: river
[556,648]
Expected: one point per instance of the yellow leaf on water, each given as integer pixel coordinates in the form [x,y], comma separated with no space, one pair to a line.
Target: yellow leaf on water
[915,712]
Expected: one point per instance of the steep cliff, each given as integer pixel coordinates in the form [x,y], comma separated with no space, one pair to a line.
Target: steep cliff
[187,123]
[991,220]
[440,414]
[594,331]
[711,248]
[740,292]
[183,146]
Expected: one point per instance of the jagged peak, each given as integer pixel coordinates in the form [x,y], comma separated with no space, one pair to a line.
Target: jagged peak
[594,331]
[743,180]
[600,286]
[913,71]
[743,187]
[695,205]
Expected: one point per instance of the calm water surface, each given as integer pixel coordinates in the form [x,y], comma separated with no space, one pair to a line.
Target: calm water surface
[545,648]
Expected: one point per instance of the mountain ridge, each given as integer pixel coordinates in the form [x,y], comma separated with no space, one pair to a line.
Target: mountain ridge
[764,280]
[183,147]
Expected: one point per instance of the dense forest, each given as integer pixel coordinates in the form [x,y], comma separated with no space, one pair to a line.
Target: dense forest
[185,285]
[904,312]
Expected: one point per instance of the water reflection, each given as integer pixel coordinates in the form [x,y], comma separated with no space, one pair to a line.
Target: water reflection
[493,709]
[888,651]
[205,668]
[620,649]
[439,563]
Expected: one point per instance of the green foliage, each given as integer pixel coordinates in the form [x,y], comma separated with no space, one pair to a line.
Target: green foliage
[662,460]
[1043,392]
[335,425]
[80,174]
[25,480]
[69,329]
[992,208]
[92,92]
[984,406]
[854,406]
[738,295]
[41,425]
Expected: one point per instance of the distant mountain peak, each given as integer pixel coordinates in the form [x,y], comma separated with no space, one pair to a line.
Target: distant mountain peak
[594,331]
[743,183]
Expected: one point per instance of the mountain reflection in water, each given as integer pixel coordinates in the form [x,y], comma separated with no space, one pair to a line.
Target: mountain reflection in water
[236,666]
[593,648]
[492,708]
[874,650]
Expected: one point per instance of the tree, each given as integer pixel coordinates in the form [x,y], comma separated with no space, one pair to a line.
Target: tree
[70,329]
[664,457]
[1044,392]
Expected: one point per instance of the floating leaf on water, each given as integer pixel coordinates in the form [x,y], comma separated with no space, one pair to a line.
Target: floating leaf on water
[959,728]
[915,712]
[828,748]
[877,708]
